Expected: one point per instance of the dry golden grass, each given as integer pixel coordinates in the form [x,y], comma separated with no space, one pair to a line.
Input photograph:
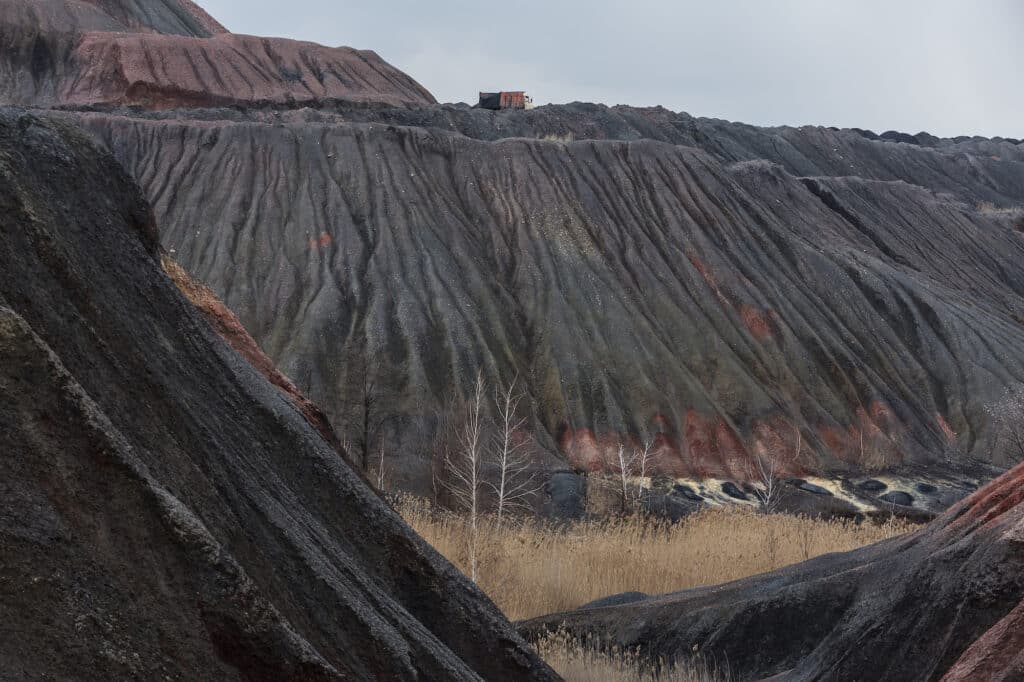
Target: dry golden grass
[531,570]
[580,662]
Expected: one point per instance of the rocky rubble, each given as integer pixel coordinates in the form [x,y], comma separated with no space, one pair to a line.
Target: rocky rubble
[942,603]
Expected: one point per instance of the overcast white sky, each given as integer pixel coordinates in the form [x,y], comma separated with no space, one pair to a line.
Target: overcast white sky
[950,67]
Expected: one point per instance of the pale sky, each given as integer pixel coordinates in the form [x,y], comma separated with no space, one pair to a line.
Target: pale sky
[949,67]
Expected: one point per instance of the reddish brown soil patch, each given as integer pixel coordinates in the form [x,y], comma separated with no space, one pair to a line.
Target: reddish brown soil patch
[227,325]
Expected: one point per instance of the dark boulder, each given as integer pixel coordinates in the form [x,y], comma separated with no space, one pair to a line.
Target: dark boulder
[872,486]
[813,505]
[899,497]
[732,490]
[816,489]
[668,507]
[926,488]
[687,492]
[566,495]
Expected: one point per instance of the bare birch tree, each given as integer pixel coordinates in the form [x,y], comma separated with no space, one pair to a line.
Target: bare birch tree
[623,466]
[767,472]
[641,464]
[380,469]
[463,468]
[515,484]
[644,458]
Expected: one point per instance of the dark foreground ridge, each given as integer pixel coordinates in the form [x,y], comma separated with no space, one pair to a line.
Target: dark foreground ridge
[166,512]
[944,602]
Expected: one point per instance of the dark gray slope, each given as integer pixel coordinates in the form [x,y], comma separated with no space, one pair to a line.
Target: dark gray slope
[171,17]
[165,512]
[640,287]
[839,298]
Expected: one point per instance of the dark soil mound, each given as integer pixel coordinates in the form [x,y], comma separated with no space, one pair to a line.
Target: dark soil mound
[167,512]
[167,53]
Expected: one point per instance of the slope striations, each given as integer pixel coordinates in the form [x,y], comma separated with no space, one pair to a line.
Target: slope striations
[942,603]
[641,289]
[974,169]
[167,512]
[841,300]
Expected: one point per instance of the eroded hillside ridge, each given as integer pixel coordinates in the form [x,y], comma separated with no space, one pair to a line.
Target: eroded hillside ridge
[942,603]
[167,511]
[159,54]
[838,300]
[643,289]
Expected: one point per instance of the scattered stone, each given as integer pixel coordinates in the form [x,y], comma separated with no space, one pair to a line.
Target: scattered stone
[669,506]
[897,497]
[872,486]
[732,490]
[952,588]
[816,489]
[687,492]
[566,492]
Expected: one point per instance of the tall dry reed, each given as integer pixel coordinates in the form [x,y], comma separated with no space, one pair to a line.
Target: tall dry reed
[578,661]
[531,570]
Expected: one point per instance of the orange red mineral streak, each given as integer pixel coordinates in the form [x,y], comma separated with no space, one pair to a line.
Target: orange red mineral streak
[321,241]
[760,323]
[946,428]
[873,438]
[229,328]
[709,446]
[757,322]
[998,510]
[709,277]
[988,507]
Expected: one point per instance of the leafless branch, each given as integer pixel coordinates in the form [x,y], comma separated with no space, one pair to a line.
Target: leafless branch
[516,484]
[463,467]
